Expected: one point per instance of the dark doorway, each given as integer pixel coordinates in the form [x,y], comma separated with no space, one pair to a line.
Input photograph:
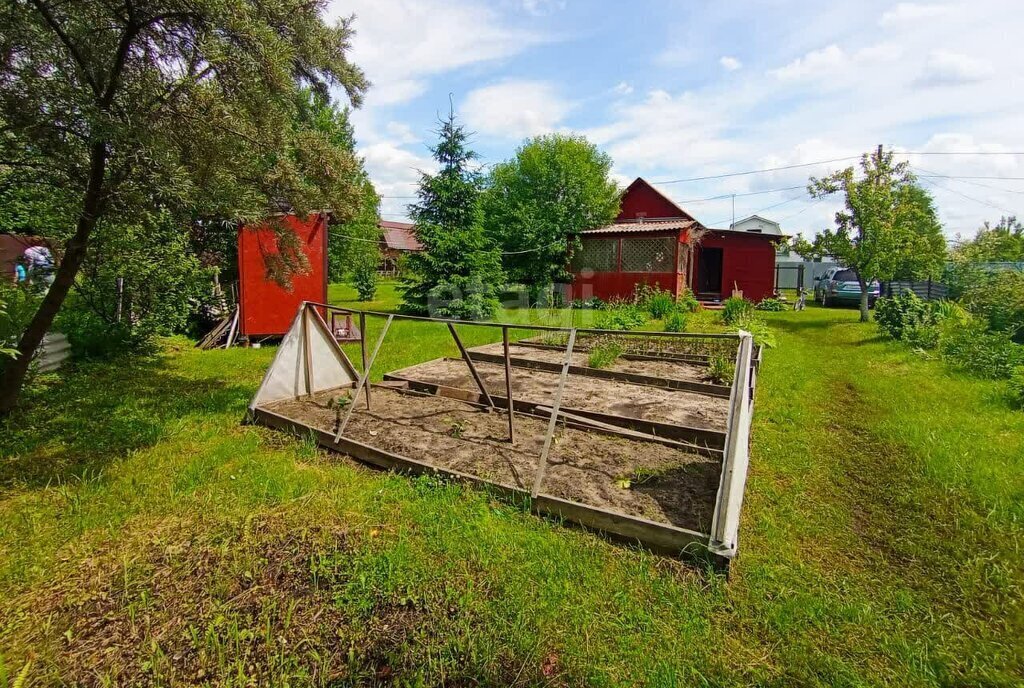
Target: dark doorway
[709,271]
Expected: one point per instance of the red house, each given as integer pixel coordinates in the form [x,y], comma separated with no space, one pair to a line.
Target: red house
[266,308]
[654,241]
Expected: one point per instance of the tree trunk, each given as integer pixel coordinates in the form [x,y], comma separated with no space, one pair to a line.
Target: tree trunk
[14,372]
[864,316]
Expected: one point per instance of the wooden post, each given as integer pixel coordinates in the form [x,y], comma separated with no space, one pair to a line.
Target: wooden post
[508,386]
[472,368]
[307,354]
[362,380]
[362,350]
[554,416]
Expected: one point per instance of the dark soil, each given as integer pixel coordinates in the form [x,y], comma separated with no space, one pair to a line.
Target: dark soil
[592,394]
[637,478]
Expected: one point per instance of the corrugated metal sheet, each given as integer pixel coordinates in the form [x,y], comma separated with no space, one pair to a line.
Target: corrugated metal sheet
[400,236]
[640,227]
[54,350]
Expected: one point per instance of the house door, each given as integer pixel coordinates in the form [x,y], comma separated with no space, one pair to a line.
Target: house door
[709,271]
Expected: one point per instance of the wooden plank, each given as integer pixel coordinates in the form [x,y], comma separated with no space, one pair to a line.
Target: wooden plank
[704,388]
[543,467]
[510,403]
[725,521]
[363,378]
[659,537]
[694,359]
[472,368]
[583,421]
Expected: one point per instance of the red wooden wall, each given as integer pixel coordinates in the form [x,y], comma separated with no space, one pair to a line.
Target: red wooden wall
[747,261]
[266,309]
[642,200]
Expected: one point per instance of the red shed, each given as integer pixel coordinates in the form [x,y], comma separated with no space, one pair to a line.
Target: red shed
[654,241]
[266,309]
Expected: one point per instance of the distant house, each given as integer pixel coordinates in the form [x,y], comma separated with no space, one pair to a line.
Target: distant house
[654,241]
[397,239]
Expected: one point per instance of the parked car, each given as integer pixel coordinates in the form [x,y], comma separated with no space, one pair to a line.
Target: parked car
[840,286]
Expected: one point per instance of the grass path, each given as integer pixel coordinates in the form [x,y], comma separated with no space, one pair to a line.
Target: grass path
[147,537]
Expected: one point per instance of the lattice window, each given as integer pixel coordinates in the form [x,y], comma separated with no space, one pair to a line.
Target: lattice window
[649,254]
[598,255]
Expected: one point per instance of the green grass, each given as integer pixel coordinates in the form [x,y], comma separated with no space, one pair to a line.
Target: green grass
[146,536]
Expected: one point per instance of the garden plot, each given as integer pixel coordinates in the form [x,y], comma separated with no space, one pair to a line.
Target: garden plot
[642,479]
[609,397]
[622,449]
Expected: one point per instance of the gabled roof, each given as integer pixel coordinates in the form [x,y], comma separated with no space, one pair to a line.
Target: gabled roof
[775,229]
[400,236]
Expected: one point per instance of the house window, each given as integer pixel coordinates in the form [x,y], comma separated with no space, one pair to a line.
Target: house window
[596,254]
[649,254]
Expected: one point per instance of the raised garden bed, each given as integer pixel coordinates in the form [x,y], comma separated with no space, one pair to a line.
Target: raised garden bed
[647,450]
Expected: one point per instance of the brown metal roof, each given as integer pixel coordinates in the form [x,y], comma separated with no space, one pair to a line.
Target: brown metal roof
[640,227]
[400,236]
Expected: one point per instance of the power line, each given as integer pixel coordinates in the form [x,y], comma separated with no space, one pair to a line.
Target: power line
[969,198]
[766,169]
[826,162]
[738,195]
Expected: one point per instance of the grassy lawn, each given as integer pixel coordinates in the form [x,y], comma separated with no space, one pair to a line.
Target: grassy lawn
[147,536]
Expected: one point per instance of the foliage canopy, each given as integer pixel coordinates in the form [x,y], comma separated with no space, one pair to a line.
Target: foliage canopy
[536,204]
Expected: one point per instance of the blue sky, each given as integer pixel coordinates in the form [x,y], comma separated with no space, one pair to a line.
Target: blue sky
[675,90]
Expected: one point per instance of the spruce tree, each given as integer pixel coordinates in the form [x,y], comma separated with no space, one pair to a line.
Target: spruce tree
[458,272]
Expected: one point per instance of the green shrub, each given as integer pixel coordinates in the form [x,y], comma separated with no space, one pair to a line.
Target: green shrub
[620,315]
[364,279]
[687,302]
[998,298]
[923,335]
[721,370]
[676,322]
[979,351]
[735,308]
[18,303]
[762,333]
[655,300]
[896,315]
[604,354]
[771,304]
[1017,386]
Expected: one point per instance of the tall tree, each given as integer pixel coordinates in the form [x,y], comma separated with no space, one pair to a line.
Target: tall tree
[1002,242]
[888,225]
[536,204]
[458,272]
[183,105]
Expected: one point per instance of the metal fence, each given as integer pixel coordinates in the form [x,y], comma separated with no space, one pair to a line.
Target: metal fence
[929,290]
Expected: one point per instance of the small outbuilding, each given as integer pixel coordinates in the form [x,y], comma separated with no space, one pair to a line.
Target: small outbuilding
[654,241]
[266,307]
[397,239]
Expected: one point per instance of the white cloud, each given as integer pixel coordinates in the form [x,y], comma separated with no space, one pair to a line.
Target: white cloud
[945,68]
[401,133]
[730,64]
[623,88]
[910,12]
[394,172]
[515,109]
[400,44]
[540,8]
[817,63]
